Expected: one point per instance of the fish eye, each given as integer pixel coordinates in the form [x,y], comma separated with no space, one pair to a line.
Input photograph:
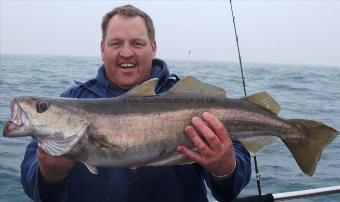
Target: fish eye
[42,106]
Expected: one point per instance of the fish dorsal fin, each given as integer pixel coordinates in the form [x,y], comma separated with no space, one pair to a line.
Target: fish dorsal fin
[146,88]
[190,84]
[264,100]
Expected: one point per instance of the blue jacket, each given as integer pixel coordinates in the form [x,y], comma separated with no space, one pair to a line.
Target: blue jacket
[173,183]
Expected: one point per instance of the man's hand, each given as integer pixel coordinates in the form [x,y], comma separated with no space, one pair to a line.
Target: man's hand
[214,147]
[53,168]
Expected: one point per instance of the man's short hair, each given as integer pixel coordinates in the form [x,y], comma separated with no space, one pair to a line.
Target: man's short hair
[129,11]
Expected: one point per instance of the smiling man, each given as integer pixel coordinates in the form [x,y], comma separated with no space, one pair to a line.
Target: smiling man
[128,50]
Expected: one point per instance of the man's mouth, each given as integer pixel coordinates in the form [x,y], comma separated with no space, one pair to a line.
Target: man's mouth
[127,65]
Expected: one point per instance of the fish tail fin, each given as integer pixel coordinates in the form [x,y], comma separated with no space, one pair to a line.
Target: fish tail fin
[307,152]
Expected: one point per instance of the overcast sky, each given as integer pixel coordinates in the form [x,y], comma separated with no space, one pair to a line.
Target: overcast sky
[272,31]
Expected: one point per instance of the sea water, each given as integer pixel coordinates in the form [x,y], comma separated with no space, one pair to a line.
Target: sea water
[303,91]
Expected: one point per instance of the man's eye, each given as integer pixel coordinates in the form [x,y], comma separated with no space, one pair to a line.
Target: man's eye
[115,44]
[138,44]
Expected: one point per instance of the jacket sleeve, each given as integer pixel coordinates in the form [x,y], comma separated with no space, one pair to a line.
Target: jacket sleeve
[228,189]
[29,172]
[32,182]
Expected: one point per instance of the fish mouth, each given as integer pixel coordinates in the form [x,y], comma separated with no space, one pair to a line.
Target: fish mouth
[15,126]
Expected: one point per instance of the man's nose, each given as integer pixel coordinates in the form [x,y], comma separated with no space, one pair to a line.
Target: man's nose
[126,52]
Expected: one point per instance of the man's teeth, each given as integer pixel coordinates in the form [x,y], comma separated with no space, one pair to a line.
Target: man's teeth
[127,65]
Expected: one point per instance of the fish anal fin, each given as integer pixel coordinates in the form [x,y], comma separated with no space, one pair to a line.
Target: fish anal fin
[146,88]
[256,144]
[174,159]
[191,85]
[264,100]
[307,152]
[93,169]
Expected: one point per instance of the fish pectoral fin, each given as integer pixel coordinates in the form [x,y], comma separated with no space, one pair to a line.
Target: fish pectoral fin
[307,152]
[115,149]
[264,100]
[256,144]
[146,88]
[192,85]
[93,169]
[104,144]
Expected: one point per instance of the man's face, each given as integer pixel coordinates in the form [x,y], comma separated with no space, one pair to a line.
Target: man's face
[127,51]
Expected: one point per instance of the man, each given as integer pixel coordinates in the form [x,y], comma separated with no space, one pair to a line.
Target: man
[128,50]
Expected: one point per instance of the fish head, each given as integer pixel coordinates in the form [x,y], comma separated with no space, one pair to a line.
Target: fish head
[50,121]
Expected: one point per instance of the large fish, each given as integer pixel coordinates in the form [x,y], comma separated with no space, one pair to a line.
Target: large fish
[140,128]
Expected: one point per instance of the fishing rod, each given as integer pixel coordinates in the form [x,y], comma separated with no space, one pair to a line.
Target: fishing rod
[258,175]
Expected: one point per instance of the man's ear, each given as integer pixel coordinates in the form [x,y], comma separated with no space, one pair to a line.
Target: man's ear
[102,49]
[154,48]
